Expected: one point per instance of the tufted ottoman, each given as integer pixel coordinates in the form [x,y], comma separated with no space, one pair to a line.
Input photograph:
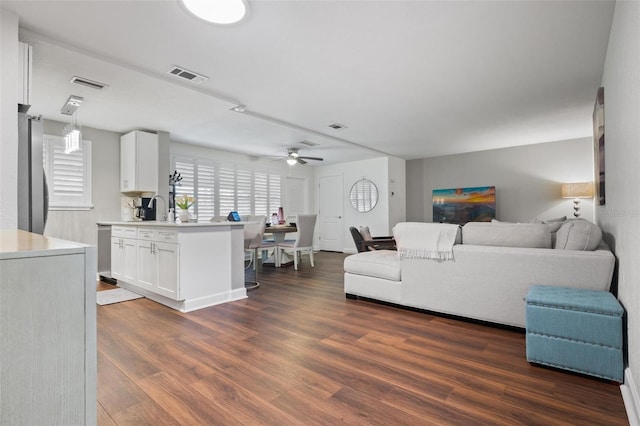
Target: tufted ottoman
[575,329]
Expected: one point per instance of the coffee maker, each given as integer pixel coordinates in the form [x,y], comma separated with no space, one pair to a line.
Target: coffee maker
[143,212]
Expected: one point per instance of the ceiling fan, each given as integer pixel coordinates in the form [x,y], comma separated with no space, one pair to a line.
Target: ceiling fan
[293,157]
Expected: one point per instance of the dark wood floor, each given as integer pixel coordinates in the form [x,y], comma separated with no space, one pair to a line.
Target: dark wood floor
[297,352]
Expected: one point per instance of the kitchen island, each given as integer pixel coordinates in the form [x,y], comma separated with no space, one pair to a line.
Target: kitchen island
[185,266]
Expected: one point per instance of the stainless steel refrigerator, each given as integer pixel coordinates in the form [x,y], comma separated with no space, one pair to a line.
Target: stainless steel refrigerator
[33,194]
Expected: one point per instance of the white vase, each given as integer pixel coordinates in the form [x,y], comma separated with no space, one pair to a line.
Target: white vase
[184,216]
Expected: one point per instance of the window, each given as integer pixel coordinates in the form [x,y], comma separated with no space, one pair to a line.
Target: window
[68,175]
[221,188]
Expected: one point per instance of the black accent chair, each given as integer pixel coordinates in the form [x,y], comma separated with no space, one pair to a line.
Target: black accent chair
[377,243]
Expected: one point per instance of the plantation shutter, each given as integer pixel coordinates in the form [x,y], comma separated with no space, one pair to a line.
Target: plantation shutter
[243,191]
[205,196]
[68,175]
[186,168]
[226,189]
[261,193]
[275,190]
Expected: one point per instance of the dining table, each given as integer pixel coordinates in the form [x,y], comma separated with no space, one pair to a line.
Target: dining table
[279,233]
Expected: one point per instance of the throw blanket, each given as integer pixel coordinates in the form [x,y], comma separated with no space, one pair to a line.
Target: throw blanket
[418,240]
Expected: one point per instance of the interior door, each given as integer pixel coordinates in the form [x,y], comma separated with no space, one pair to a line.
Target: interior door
[330,213]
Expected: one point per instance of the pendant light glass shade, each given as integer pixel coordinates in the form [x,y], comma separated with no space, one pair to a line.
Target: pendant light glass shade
[72,135]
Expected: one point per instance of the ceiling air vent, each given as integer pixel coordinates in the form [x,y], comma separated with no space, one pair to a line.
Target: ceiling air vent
[308,143]
[190,76]
[88,83]
[337,126]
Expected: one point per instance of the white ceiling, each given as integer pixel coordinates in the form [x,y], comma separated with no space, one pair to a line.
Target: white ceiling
[412,79]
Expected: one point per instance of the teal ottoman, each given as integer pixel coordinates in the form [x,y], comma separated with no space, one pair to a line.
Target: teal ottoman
[574,329]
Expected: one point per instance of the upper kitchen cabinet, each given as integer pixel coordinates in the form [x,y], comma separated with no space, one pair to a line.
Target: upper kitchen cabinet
[139,162]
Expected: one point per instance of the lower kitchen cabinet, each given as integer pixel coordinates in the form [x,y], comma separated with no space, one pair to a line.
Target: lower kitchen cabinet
[184,266]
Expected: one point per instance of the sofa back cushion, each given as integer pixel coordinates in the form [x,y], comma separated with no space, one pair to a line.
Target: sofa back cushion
[578,234]
[505,234]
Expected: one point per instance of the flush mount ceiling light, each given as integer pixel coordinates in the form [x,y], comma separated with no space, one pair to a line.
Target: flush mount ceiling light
[217,11]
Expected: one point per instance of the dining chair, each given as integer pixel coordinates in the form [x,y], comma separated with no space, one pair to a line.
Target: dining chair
[253,232]
[303,244]
[373,243]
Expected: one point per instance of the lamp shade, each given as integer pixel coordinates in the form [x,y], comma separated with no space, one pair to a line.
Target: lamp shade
[577,190]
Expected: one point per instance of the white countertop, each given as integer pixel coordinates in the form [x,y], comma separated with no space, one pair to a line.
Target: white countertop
[170,224]
[15,243]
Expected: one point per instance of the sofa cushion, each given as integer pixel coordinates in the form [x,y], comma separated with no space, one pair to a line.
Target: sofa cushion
[505,234]
[366,234]
[378,263]
[578,234]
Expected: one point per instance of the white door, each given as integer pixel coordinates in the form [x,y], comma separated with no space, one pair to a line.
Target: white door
[330,213]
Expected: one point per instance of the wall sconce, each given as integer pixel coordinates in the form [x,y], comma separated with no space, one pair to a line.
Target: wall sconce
[577,191]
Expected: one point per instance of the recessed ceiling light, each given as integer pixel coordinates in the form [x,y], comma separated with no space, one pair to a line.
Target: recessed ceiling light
[239,108]
[217,11]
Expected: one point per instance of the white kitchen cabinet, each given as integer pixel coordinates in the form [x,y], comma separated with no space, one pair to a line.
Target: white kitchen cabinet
[123,253]
[48,329]
[184,266]
[139,162]
[158,267]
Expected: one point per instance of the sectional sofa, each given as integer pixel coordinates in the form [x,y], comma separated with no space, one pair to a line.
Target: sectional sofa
[493,266]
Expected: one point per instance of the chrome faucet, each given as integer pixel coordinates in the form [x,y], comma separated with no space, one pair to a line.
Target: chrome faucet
[164,205]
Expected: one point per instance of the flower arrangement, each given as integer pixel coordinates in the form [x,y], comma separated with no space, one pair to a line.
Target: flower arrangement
[185,201]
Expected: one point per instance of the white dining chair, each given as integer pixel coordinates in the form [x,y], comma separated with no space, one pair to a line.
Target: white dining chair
[303,244]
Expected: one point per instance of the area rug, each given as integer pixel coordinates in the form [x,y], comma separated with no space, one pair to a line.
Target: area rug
[107,297]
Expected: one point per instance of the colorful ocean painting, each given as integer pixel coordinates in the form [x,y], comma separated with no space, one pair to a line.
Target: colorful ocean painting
[462,205]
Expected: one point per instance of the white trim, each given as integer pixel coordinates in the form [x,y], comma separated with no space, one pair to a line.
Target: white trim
[188,305]
[631,398]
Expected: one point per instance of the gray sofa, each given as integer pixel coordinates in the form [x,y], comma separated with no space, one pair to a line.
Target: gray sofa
[487,280]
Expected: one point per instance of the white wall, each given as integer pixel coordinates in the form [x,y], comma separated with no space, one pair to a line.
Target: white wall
[80,225]
[8,120]
[299,170]
[381,219]
[620,217]
[527,179]
[397,191]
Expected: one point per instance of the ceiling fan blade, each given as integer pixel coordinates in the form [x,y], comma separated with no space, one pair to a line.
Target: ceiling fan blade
[313,158]
[301,161]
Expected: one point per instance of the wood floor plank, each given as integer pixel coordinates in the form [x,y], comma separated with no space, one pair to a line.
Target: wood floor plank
[297,352]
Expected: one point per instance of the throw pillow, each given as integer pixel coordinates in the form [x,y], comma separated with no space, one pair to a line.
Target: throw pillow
[366,234]
[578,234]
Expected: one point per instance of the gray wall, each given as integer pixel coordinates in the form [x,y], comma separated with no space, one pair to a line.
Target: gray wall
[80,225]
[527,179]
[620,217]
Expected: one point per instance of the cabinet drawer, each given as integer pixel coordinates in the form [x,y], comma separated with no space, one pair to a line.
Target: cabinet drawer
[146,234]
[123,231]
[166,235]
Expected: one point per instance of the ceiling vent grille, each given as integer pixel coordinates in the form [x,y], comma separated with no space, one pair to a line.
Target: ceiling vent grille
[88,83]
[190,76]
[308,143]
[337,126]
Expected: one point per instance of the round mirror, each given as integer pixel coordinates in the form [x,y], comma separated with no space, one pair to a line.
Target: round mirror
[364,195]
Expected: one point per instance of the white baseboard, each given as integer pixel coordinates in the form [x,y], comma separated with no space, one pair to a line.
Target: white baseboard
[631,398]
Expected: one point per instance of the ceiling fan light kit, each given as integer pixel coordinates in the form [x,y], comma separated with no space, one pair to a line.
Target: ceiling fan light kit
[223,12]
[293,157]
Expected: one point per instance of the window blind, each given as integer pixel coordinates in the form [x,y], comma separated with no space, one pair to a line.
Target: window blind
[68,175]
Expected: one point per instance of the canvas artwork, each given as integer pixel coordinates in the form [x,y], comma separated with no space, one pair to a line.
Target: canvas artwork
[462,205]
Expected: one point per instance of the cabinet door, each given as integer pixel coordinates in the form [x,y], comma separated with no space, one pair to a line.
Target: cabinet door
[117,265]
[128,162]
[168,256]
[147,265]
[147,162]
[129,269]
